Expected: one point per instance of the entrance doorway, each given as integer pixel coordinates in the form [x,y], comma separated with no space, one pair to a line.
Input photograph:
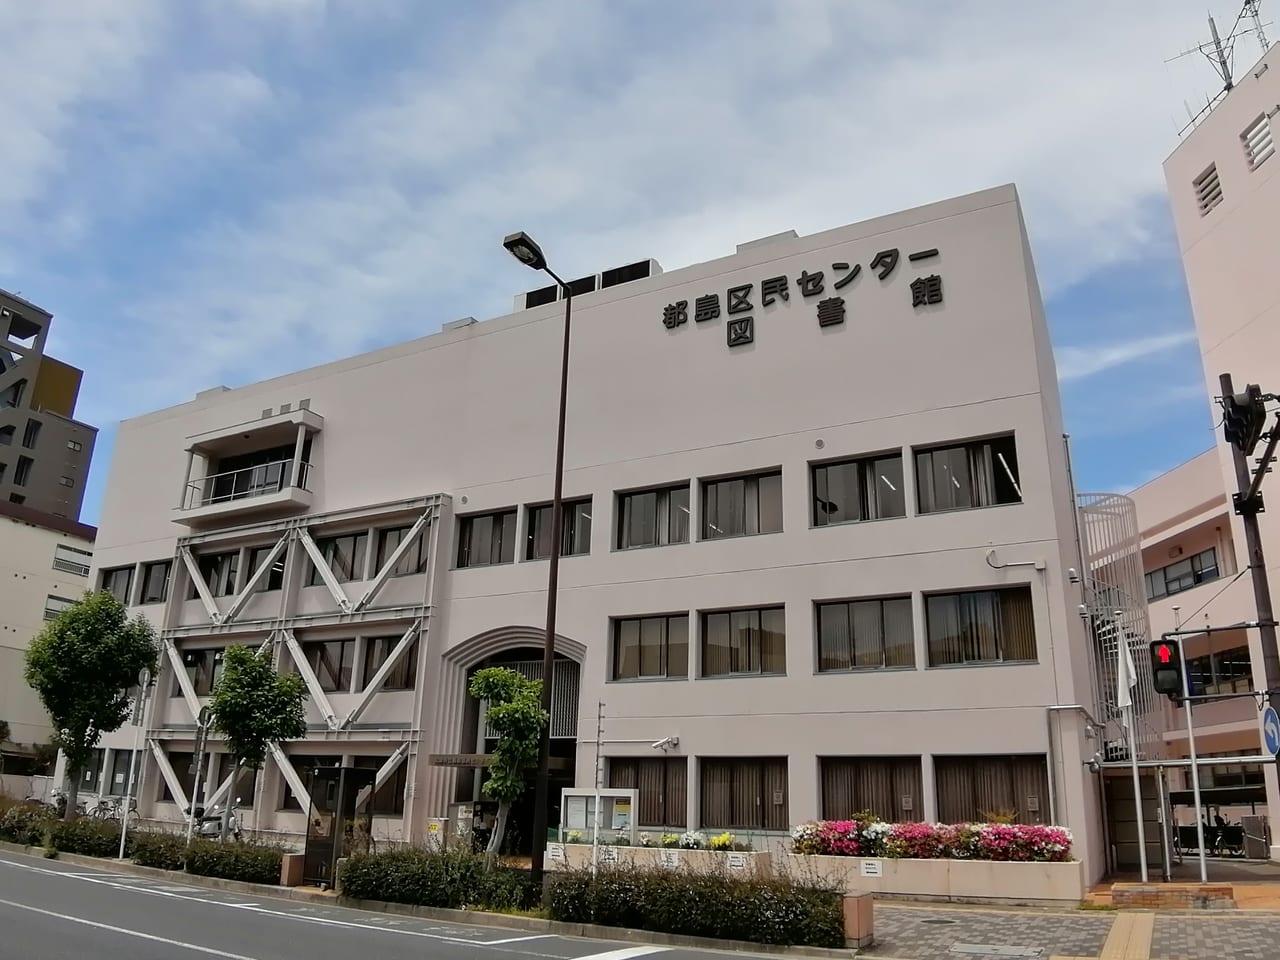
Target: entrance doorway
[526,661]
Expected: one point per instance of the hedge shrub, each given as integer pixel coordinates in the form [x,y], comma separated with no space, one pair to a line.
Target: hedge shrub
[452,878]
[168,851]
[957,841]
[249,862]
[92,838]
[25,823]
[777,910]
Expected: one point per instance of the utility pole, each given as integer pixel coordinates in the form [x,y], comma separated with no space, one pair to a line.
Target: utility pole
[1248,504]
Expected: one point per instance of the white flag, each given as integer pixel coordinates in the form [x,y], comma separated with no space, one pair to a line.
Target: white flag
[1126,676]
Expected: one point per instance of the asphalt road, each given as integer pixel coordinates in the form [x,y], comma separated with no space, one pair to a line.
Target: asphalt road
[52,911]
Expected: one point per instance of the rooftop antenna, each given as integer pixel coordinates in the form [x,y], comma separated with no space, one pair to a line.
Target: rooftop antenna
[1253,10]
[1220,51]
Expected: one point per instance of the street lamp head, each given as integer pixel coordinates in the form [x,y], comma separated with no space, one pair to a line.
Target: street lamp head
[523,248]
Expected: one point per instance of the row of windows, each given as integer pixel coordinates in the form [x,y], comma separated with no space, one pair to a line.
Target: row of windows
[344,555]
[335,663]
[1229,671]
[750,793]
[1183,575]
[964,476]
[972,626]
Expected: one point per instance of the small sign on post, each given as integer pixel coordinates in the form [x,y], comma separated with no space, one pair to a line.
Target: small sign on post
[555,853]
[871,868]
[669,858]
[737,861]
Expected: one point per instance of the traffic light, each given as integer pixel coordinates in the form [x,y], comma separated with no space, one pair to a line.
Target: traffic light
[1244,418]
[1166,668]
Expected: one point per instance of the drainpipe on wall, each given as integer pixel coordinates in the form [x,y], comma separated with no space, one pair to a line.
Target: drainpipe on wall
[1055,758]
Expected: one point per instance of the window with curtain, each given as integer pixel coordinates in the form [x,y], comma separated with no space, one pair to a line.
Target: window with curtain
[118,582]
[744,793]
[403,675]
[344,556]
[219,572]
[968,475]
[415,558]
[742,506]
[388,799]
[485,539]
[866,634]
[850,490]
[662,788]
[651,647]
[651,518]
[981,626]
[331,662]
[736,642]
[575,523]
[971,789]
[890,787]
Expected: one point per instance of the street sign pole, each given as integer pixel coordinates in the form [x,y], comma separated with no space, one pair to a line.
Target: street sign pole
[139,711]
[197,765]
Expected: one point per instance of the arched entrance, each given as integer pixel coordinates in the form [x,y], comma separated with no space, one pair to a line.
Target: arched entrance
[520,649]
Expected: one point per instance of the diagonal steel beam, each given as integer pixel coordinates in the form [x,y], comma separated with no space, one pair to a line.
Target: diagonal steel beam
[247,592]
[290,775]
[385,573]
[380,677]
[202,588]
[309,678]
[330,581]
[383,775]
[170,778]
[184,681]
[223,789]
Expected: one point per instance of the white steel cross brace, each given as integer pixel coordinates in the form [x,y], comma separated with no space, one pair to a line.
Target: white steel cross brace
[383,775]
[290,775]
[202,588]
[251,585]
[380,677]
[322,567]
[184,681]
[401,549]
[170,778]
[309,678]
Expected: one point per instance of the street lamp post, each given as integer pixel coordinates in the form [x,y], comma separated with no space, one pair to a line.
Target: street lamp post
[523,248]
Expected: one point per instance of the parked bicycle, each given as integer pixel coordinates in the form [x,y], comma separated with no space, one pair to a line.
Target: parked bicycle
[108,809]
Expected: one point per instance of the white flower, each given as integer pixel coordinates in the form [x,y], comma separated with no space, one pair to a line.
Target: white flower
[692,840]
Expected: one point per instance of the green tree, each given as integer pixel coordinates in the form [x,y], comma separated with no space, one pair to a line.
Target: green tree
[82,665]
[514,711]
[4,738]
[252,705]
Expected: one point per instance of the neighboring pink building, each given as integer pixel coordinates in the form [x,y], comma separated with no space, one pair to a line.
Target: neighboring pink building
[820,538]
[1224,189]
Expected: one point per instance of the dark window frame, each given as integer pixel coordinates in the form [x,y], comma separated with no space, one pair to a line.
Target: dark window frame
[575,535]
[754,652]
[108,577]
[1013,770]
[274,579]
[738,771]
[221,573]
[854,776]
[713,490]
[329,549]
[661,785]
[833,608]
[865,468]
[203,666]
[146,596]
[621,625]
[993,488]
[502,536]
[632,516]
[388,799]
[413,561]
[1202,567]
[967,602]
[403,676]
[328,673]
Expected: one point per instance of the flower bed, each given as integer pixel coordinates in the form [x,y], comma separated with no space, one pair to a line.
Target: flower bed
[1001,842]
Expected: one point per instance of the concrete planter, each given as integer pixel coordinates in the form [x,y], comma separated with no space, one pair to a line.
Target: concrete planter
[967,881]
[577,856]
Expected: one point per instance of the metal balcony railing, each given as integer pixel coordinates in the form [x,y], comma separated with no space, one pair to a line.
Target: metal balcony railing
[244,484]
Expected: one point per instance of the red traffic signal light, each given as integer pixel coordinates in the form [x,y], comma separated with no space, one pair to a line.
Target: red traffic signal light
[1166,668]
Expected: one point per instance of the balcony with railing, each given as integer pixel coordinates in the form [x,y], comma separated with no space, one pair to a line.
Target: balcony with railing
[277,487]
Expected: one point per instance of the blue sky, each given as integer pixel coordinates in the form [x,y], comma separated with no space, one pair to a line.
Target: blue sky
[217,191]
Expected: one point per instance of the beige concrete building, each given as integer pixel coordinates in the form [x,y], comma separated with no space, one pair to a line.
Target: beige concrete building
[44,450]
[1224,189]
[44,568]
[817,549]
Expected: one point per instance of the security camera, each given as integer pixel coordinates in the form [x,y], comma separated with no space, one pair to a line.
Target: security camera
[1072,575]
[665,742]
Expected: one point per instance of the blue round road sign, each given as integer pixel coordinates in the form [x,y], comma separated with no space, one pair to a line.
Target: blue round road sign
[1271,731]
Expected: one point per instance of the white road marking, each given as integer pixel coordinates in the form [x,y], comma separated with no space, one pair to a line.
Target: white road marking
[130,933]
[296,915]
[625,953]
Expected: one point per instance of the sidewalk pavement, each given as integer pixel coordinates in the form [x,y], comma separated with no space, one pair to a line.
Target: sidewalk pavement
[983,933]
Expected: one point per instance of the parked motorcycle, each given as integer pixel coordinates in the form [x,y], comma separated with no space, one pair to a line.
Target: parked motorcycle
[209,822]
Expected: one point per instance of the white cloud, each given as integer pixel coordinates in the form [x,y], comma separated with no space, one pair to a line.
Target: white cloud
[1077,362]
[611,132]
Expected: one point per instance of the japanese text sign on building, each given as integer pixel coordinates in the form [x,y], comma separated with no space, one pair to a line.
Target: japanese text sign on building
[742,303]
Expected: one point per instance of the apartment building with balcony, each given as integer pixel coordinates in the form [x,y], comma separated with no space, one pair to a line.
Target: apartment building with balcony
[1223,183]
[817,543]
[44,451]
[44,568]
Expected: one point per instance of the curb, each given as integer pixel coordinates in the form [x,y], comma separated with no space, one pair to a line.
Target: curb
[470,918]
